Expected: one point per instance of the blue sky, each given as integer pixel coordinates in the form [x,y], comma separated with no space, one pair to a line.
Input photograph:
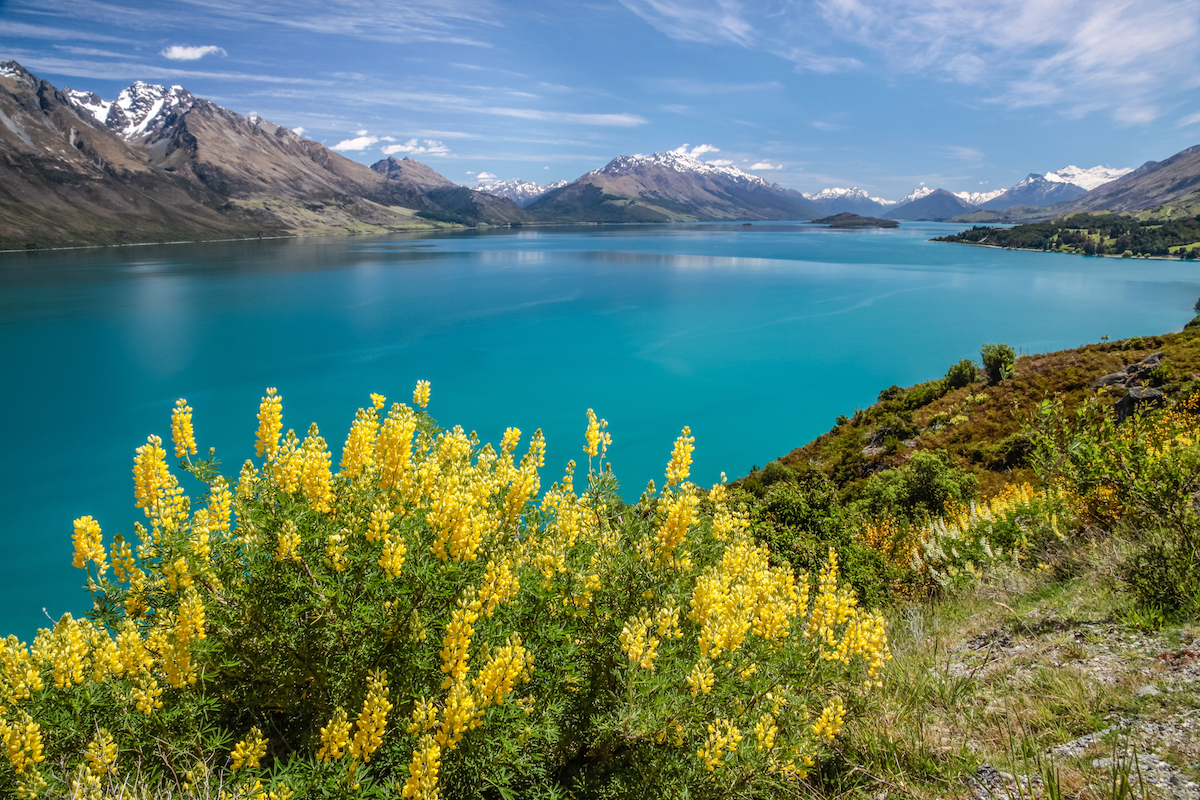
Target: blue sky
[880,94]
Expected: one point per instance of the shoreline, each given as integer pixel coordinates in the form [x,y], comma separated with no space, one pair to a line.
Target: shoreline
[1052,253]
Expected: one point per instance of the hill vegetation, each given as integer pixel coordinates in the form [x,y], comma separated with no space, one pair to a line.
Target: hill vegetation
[1095,234]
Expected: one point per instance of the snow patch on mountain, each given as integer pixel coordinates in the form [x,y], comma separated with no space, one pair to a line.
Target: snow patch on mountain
[916,194]
[520,192]
[11,69]
[1087,179]
[673,160]
[138,111]
[979,198]
[89,103]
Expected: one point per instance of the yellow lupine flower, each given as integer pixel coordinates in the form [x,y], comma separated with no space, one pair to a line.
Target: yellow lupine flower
[19,675]
[701,679]
[88,545]
[335,736]
[181,429]
[421,394]
[680,515]
[507,666]
[145,693]
[723,736]
[358,454]
[393,555]
[270,424]
[250,750]
[377,401]
[681,458]
[510,440]
[372,720]
[288,543]
[101,754]
[831,720]
[422,783]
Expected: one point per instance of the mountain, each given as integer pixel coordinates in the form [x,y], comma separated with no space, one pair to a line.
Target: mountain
[979,198]
[520,192]
[934,205]
[1156,189]
[159,164]
[1088,179]
[1035,190]
[853,201]
[1156,183]
[413,173]
[65,179]
[669,187]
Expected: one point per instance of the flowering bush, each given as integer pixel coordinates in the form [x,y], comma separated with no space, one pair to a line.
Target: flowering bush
[425,622]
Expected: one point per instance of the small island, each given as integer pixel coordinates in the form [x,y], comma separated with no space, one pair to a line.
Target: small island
[848,220]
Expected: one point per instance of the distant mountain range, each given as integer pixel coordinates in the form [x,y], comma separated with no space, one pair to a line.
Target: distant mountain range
[159,164]
[520,192]
[669,187]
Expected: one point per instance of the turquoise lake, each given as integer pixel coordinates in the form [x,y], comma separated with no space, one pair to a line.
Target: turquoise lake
[757,337]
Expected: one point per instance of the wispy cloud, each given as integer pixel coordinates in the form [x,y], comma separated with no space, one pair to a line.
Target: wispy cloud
[830,127]
[20,29]
[181,52]
[964,153]
[427,147]
[130,70]
[1189,120]
[1079,56]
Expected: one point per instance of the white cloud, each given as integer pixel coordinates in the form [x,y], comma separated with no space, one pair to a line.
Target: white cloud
[357,143]
[697,151]
[423,147]
[179,52]
[1191,120]
[362,132]
[298,130]
[485,177]
[721,162]
[765,165]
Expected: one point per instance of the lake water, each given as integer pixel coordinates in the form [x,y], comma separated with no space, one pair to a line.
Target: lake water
[757,337]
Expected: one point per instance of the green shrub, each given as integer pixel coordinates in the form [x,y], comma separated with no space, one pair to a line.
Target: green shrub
[922,488]
[964,373]
[998,360]
[801,521]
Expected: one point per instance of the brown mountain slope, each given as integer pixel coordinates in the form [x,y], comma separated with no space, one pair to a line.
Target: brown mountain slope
[164,165]
[65,180]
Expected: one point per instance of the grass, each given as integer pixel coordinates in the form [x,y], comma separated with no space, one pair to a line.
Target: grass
[1001,673]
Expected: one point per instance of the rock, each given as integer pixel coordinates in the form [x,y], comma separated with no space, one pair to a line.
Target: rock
[1136,400]
[1132,374]
[1111,379]
[1147,691]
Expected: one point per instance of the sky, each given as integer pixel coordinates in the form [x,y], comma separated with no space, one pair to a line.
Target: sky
[884,95]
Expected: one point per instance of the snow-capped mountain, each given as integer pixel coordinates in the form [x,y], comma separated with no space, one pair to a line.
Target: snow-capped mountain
[669,187]
[678,162]
[836,200]
[1087,179]
[979,198]
[916,194]
[520,192]
[139,112]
